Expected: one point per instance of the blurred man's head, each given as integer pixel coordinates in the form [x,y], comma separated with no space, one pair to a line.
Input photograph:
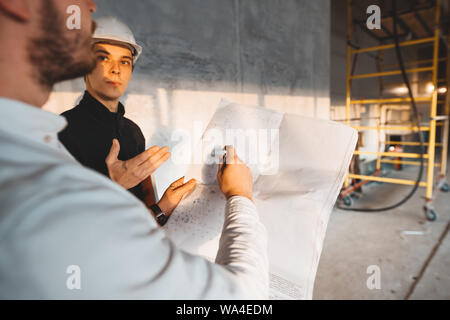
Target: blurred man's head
[59,53]
[113,71]
[41,47]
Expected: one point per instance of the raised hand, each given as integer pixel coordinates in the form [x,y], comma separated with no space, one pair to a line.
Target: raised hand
[174,194]
[131,172]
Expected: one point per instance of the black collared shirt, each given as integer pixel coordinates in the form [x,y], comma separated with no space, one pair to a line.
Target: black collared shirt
[90,131]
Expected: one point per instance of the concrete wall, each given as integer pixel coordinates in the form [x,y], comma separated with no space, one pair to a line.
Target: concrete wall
[273,53]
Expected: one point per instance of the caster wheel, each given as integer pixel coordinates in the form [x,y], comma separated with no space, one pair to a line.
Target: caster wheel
[445,187]
[347,201]
[430,214]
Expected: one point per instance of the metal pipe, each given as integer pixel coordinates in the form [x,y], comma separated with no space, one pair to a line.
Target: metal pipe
[410,143]
[348,80]
[411,163]
[390,100]
[392,154]
[447,113]
[391,128]
[391,46]
[412,63]
[433,109]
[390,73]
[388,180]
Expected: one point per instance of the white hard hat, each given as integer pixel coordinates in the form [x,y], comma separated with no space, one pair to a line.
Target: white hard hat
[112,30]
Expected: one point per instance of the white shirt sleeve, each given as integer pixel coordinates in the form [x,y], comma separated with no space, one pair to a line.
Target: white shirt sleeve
[243,247]
[79,218]
[67,232]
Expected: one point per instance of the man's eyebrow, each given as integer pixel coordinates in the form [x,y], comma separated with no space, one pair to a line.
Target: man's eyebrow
[127,57]
[102,51]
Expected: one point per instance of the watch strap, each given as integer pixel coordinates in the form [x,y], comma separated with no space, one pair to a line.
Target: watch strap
[159,214]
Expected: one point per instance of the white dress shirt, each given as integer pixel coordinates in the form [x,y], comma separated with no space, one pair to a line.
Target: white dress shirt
[67,232]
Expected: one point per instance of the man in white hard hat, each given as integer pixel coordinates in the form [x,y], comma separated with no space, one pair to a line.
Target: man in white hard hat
[68,232]
[100,137]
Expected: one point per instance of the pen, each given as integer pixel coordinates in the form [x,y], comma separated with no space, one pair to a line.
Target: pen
[221,152]
[224,160]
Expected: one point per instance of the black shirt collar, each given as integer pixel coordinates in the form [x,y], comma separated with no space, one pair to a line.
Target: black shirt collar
[98,109]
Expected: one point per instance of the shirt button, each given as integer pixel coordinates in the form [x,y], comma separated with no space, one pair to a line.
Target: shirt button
[47,139]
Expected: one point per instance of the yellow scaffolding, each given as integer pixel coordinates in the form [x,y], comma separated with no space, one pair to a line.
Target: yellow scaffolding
[435,120]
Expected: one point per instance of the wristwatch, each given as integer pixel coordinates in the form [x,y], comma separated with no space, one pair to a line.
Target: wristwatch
[160,216]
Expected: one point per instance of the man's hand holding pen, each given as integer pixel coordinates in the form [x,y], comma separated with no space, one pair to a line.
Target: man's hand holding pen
[234,177]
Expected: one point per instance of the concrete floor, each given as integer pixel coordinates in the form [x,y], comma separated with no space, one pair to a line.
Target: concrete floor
[413,255]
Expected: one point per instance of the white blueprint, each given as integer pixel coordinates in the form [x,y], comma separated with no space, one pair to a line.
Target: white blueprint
[294,203]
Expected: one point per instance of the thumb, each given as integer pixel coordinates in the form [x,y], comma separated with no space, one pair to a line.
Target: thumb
[187,187]
[177,183]
[114,152]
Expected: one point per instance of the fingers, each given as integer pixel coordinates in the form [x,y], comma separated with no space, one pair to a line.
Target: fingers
[238,160]
[231,154]
[177,183]
[220,169]
[161,153]
[187,187]
[159,158]
[144,156]
[230,158]
[149,167]
[233,159]
[151,158]
[113,152]
[151,151]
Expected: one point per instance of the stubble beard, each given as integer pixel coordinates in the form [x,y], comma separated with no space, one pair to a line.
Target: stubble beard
[54,55]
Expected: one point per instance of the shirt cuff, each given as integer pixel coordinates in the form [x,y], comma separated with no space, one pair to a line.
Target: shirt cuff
[241,203]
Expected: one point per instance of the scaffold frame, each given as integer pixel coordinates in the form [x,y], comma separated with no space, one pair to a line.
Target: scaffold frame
[435,120]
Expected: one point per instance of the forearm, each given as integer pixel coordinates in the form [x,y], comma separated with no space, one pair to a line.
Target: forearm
[148,192]
[243,247]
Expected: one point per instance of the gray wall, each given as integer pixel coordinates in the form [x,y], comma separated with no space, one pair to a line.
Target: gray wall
[257,46]
[274,53]
[268,52]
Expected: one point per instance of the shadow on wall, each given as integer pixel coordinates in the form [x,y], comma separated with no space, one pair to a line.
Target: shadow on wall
[258,52]
[160,111]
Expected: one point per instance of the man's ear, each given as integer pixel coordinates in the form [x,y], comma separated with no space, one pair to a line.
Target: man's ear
[17,9]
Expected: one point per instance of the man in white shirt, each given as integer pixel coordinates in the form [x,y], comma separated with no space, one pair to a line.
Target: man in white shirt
[67,232]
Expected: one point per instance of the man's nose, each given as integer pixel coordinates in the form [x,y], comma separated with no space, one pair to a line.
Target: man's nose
[115,69]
